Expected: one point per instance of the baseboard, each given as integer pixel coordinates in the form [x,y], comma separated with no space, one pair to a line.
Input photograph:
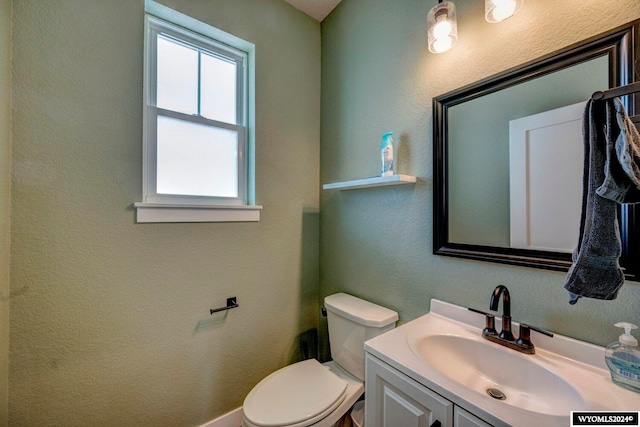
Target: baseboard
[230,419]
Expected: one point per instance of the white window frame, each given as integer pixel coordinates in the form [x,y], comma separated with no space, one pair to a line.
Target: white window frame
[180,208]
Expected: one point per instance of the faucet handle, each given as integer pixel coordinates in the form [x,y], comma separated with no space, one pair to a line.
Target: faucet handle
[525,335]
[490,322]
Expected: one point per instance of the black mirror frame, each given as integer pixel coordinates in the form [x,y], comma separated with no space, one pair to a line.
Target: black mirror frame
[620,45]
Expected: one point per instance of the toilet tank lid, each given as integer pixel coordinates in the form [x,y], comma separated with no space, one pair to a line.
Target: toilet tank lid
[360,311]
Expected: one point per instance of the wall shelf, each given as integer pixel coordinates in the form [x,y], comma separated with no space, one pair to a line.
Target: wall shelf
[378,181]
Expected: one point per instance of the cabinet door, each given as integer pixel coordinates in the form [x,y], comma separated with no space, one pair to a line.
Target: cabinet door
[462,418]
[393,400]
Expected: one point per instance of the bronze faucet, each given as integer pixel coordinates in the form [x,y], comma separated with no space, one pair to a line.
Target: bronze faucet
[523,344]
[505,333]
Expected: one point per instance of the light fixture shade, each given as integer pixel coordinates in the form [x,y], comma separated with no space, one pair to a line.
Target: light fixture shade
[442,27]
[499,10]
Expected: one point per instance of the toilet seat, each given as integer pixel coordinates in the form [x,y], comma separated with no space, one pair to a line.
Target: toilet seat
[297,395]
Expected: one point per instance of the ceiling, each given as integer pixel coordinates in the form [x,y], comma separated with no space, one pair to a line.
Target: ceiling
[317,9]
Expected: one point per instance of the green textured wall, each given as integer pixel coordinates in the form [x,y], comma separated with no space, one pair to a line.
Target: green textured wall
[110,319]
[5,201]
[378,76]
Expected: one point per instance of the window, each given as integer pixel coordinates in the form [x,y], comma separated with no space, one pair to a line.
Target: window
[196,147]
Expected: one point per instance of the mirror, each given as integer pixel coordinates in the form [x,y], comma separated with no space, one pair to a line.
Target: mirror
[508,156]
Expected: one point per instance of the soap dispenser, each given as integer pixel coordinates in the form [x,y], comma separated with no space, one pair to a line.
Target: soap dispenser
[623,359]
[386,150]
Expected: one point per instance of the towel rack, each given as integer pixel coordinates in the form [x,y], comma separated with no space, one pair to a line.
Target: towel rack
[616,91]
[619,91]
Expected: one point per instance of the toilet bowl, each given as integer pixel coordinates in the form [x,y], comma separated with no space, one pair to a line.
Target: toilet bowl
[309,393]
[301,395]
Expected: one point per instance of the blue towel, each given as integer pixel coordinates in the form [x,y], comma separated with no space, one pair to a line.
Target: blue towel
[611,176]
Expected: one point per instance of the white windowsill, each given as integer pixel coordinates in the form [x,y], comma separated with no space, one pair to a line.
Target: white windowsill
[156,212]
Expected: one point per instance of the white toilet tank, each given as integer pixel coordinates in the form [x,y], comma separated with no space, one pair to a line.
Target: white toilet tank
[352,321]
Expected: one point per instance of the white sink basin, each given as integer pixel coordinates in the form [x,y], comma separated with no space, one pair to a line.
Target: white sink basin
[445,352]
[482,365]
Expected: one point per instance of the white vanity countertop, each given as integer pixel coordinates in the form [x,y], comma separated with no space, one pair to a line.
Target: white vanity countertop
[578,363]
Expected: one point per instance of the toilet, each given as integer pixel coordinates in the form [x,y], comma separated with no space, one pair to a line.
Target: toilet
[309,393]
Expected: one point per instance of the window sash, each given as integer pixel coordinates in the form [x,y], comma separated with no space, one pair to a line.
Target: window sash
[156,27]
[152,195]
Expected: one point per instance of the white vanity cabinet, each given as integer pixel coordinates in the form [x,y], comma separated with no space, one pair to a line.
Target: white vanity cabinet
[462,418]
[393,399]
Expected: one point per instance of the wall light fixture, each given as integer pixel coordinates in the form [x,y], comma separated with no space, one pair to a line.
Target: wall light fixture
[443,26]
[499,10]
